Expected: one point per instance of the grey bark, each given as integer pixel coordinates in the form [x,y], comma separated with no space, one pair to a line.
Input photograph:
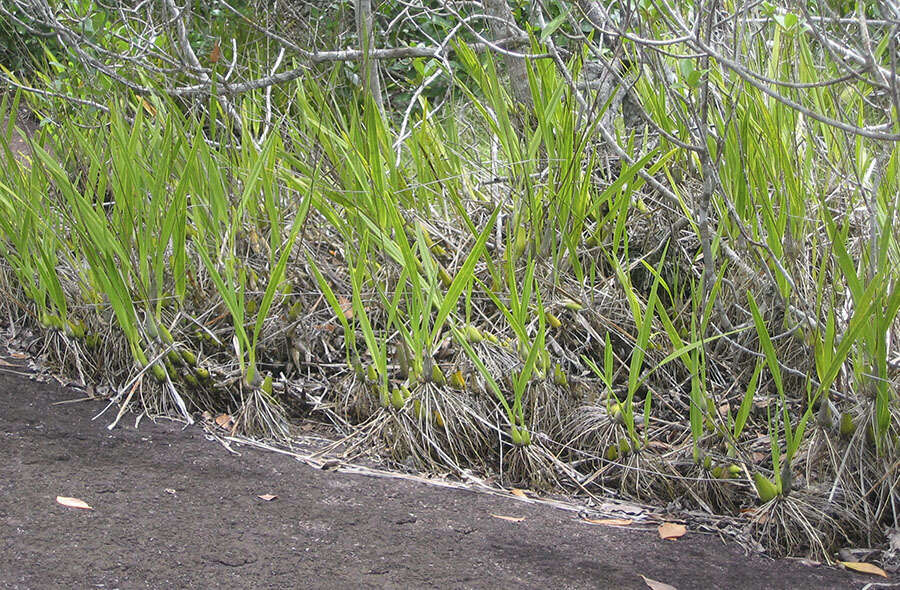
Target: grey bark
[365,27]
[503,26]
[602,74]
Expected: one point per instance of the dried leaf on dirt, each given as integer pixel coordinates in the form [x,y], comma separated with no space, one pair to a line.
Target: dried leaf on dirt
[267,497]
[671,530]
[863,567]
[609,521]
[654,585]
[73,502]
[509,518]
[518,492]
[224,420]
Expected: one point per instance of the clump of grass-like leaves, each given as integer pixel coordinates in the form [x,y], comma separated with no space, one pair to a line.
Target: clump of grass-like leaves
[525,306]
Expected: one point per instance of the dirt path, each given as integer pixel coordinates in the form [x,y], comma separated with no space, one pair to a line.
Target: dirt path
[173,510]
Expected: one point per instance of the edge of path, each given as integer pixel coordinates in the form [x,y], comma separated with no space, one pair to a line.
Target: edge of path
[172,509]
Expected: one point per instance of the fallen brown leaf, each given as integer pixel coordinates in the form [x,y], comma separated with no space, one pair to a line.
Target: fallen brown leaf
[346,307]
[509,518]
[216,53]
[73,502]
[224,420]
[671,530]
[267,497]
[148,107]
[654,585]
[863,567]
[518,492]
[609,521]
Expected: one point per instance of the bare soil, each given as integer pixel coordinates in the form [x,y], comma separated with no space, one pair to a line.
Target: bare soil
[18,143]
[172,509]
